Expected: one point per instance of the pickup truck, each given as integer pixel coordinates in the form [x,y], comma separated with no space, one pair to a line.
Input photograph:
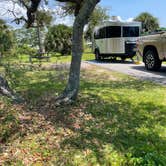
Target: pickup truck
[153,50]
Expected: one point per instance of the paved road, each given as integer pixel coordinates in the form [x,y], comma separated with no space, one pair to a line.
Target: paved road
[134,70]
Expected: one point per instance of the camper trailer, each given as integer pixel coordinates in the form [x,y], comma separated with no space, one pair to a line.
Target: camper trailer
[116,39]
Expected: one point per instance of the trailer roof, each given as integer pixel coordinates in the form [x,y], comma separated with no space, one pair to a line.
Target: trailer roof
[118,23]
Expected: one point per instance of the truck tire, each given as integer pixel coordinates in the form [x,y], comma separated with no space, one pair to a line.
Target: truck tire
[151,60]
[97,55]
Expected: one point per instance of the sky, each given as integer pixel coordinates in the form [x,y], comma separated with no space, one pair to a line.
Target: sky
[127,9]
[124,9]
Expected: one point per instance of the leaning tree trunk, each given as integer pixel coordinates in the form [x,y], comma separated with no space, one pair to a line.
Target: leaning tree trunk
[5,90]
[71,91]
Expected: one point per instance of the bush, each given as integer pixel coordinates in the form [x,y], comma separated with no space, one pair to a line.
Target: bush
[25,49]
[58,39]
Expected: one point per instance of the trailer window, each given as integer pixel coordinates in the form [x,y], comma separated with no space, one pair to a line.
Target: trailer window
[113,31]
[130,31]
[100,34]
[96,35]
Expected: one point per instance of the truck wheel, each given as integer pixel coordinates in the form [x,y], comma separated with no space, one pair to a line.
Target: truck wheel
[97,55]
[152,61]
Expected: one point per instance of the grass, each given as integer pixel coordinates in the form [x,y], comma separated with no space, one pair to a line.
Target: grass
[116,121]
[54,58]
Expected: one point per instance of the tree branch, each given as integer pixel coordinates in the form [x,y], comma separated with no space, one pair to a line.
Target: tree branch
[31,10]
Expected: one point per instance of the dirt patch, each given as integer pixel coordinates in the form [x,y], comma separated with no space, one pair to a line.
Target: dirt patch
[96,72]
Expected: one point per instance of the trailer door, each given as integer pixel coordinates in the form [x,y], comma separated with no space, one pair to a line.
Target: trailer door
[114,41]
[100,42]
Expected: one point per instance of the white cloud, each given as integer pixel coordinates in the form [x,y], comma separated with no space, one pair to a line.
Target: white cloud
[64,20]
[118,18]
[8,9]
[130,19]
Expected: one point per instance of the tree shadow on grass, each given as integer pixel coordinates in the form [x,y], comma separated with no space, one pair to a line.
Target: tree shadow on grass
[129,130]
[103,116]
[133,130]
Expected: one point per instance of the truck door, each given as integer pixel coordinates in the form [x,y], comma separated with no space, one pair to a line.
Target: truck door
[164,44]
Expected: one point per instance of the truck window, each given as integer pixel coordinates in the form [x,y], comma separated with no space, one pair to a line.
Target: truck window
[113,31]
[130,31]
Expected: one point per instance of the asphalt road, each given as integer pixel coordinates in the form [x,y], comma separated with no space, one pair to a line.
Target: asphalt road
[132,69]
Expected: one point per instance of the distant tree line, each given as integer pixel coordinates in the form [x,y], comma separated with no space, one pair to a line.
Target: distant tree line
[58,38]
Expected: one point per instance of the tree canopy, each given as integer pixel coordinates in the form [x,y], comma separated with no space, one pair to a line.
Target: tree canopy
[149,22]
[99,15]
[58,39]
[82,11]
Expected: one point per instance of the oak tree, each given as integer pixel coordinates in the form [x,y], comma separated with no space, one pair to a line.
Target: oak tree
[82,11]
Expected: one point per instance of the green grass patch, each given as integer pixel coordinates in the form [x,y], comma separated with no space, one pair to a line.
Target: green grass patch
[54,58]
[117,120]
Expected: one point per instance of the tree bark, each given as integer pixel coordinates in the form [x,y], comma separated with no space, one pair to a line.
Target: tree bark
[40,42]
[71,91]
[39,39]
[5,90]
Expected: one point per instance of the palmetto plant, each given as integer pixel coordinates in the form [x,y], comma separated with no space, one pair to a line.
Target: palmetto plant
[149,22]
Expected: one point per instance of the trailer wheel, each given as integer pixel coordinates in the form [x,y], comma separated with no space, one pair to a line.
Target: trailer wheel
[152,61]
[123,58]
[97,55]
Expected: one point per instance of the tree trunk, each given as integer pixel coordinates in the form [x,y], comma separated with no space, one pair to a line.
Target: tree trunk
[77,50]
[71,91]
[5,90]
[40,43]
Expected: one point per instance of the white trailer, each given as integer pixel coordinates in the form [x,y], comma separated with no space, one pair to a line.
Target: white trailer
[116,39]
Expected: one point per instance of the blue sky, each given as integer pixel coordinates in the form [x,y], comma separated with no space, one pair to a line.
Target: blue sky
[131,8]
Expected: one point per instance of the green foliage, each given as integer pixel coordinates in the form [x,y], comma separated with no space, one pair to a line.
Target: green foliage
[58,39]
[9,124]
[34,36]
[26,36]
[99,15]
[6,38]
[161,29]
[70,8]
[25,49]
[149,22]
[43,18]
[15,73]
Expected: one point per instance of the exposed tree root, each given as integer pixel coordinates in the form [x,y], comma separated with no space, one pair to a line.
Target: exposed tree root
[5,90]
[66,98]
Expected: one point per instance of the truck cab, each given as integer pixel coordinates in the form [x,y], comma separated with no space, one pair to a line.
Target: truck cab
[153,50]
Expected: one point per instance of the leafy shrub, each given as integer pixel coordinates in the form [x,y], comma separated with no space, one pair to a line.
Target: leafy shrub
[58,39]
[25,49]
